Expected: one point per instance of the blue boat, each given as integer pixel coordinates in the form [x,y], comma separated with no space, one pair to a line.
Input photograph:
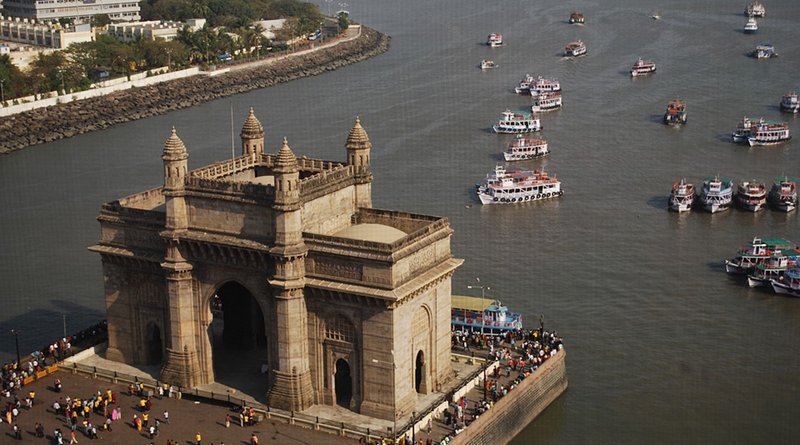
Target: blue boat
[485,315]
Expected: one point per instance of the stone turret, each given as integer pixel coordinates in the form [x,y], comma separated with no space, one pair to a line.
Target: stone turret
[358,155]
[252,135]
[175,170]
[287,177]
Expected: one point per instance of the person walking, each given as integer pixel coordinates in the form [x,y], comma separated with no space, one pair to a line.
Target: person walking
[254,439]
[227,420]
[72,438]
[166,417]
[17,432]
[198,438]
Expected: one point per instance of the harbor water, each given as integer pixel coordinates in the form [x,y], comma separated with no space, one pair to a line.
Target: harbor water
[664,347]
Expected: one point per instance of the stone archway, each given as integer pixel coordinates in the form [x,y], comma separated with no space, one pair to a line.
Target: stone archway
[154,344]
[419,372]
[343,383]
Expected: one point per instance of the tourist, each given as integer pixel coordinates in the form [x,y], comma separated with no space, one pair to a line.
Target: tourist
[72,438]
[254,439]
[198,438]
[227,420]
[17,432]
[166,417]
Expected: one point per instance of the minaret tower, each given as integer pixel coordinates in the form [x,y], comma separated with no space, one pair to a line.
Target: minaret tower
[181,366]
[252,136]
[291,384]
[358,153]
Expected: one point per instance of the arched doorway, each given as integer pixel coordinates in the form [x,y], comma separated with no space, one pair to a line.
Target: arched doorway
[419,371]
[155,346]
[343,383]
[238,340]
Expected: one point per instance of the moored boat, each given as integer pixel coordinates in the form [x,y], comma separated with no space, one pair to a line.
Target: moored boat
[577,17]
[507,187]
[755,9]
[643,67]
[575,49]
[546,101]
[764,51]
[755,253]
[768,133]
[522,148]
[743,130]
[790,284]
[751,26]
[511,122]
[525,84]
[751,195]
[543,85]
[716,194]
[676,112]
[783,194]
[494,40]
[485,315]
[682,196]
[487,64]
[790,102]
[773,268]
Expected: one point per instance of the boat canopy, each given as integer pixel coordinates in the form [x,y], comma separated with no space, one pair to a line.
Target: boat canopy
[471,303]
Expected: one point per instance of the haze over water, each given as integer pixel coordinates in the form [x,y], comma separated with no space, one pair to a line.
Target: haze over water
[664,347]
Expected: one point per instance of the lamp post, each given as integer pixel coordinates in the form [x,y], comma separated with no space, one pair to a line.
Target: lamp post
[61,76]
[483,296]
[16,343]
[169,59]
[2,91]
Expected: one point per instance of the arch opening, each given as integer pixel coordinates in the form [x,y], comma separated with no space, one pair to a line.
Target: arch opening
[343,383]
[154,344]
[419,371]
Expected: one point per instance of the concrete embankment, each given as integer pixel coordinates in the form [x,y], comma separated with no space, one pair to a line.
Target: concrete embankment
[70,119]
[511,414]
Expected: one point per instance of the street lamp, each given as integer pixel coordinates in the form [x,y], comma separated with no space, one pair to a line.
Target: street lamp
[61,76]
[16,342]
[169,59]
[2,91]
[483,296]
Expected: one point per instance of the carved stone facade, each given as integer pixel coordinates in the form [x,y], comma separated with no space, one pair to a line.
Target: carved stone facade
[345,294]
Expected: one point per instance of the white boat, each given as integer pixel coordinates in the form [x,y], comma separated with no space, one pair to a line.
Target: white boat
[494,40]
[488,64]
[743,130]
[525,84]
[643,67]
[783,194]
[682,196]
[768,133]
[716,194]
[757,252]
[790,103]
[751,195]
[511,122]
[656,16]
[575,49]
[764,51]
[543,85]
[789,285]
[751,26]
[755,9]
[577,17]
[773,269]
[522,148]
[547,101]
[508,187]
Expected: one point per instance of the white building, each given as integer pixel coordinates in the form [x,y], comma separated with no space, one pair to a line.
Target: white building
[166,30]
[40,34]
[78,10]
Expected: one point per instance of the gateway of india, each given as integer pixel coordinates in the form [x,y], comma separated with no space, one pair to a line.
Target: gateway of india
[284,258]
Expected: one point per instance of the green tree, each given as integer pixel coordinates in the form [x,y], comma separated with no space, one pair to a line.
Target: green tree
[15,83]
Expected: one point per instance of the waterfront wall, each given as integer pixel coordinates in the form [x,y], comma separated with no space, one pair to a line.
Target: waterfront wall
[68,119]
[511,414]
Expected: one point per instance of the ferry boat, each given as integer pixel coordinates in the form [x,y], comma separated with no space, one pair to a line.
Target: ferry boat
[547,101]
[522,148]
[507,187]
[783,194]
[716,194]
[768,133]
[525,84]
[494,40]
[485,315]
[682,196]
[751,195]
[764,51]
[755,9]
[511,122]
[543,85]
[488,64]
[743,130]
[790,285]
[577,17]
[751,26]
[790,103]
[643,67]
[773,268]
[757,252]
[575,49]
[676,112]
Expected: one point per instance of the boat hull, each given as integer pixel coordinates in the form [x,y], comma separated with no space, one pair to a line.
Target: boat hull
[735,269]
[754,141]
[783,289]
[505,129]
[511,157]
[488,199]
[757,282]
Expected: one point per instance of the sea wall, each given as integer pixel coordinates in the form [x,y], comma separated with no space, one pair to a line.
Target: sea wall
[69,119]
[511,414]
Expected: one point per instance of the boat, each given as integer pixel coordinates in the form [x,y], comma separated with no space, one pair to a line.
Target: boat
[768,133]
[494,40]
[488,64]
[716,194]
[682,196]
[575,49]
[764,51]
[789,285]
[790,103]
[743,130]
[577,17]
[773,268]
[511,122]
[656,16]
[676,112]
[507,187]
[751,26]
[485,315]
[643,67]
[525,84]
[755,9]
[783,194]
[751,195]
[543,85]
[755,253]
[546,101]
[522,148]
